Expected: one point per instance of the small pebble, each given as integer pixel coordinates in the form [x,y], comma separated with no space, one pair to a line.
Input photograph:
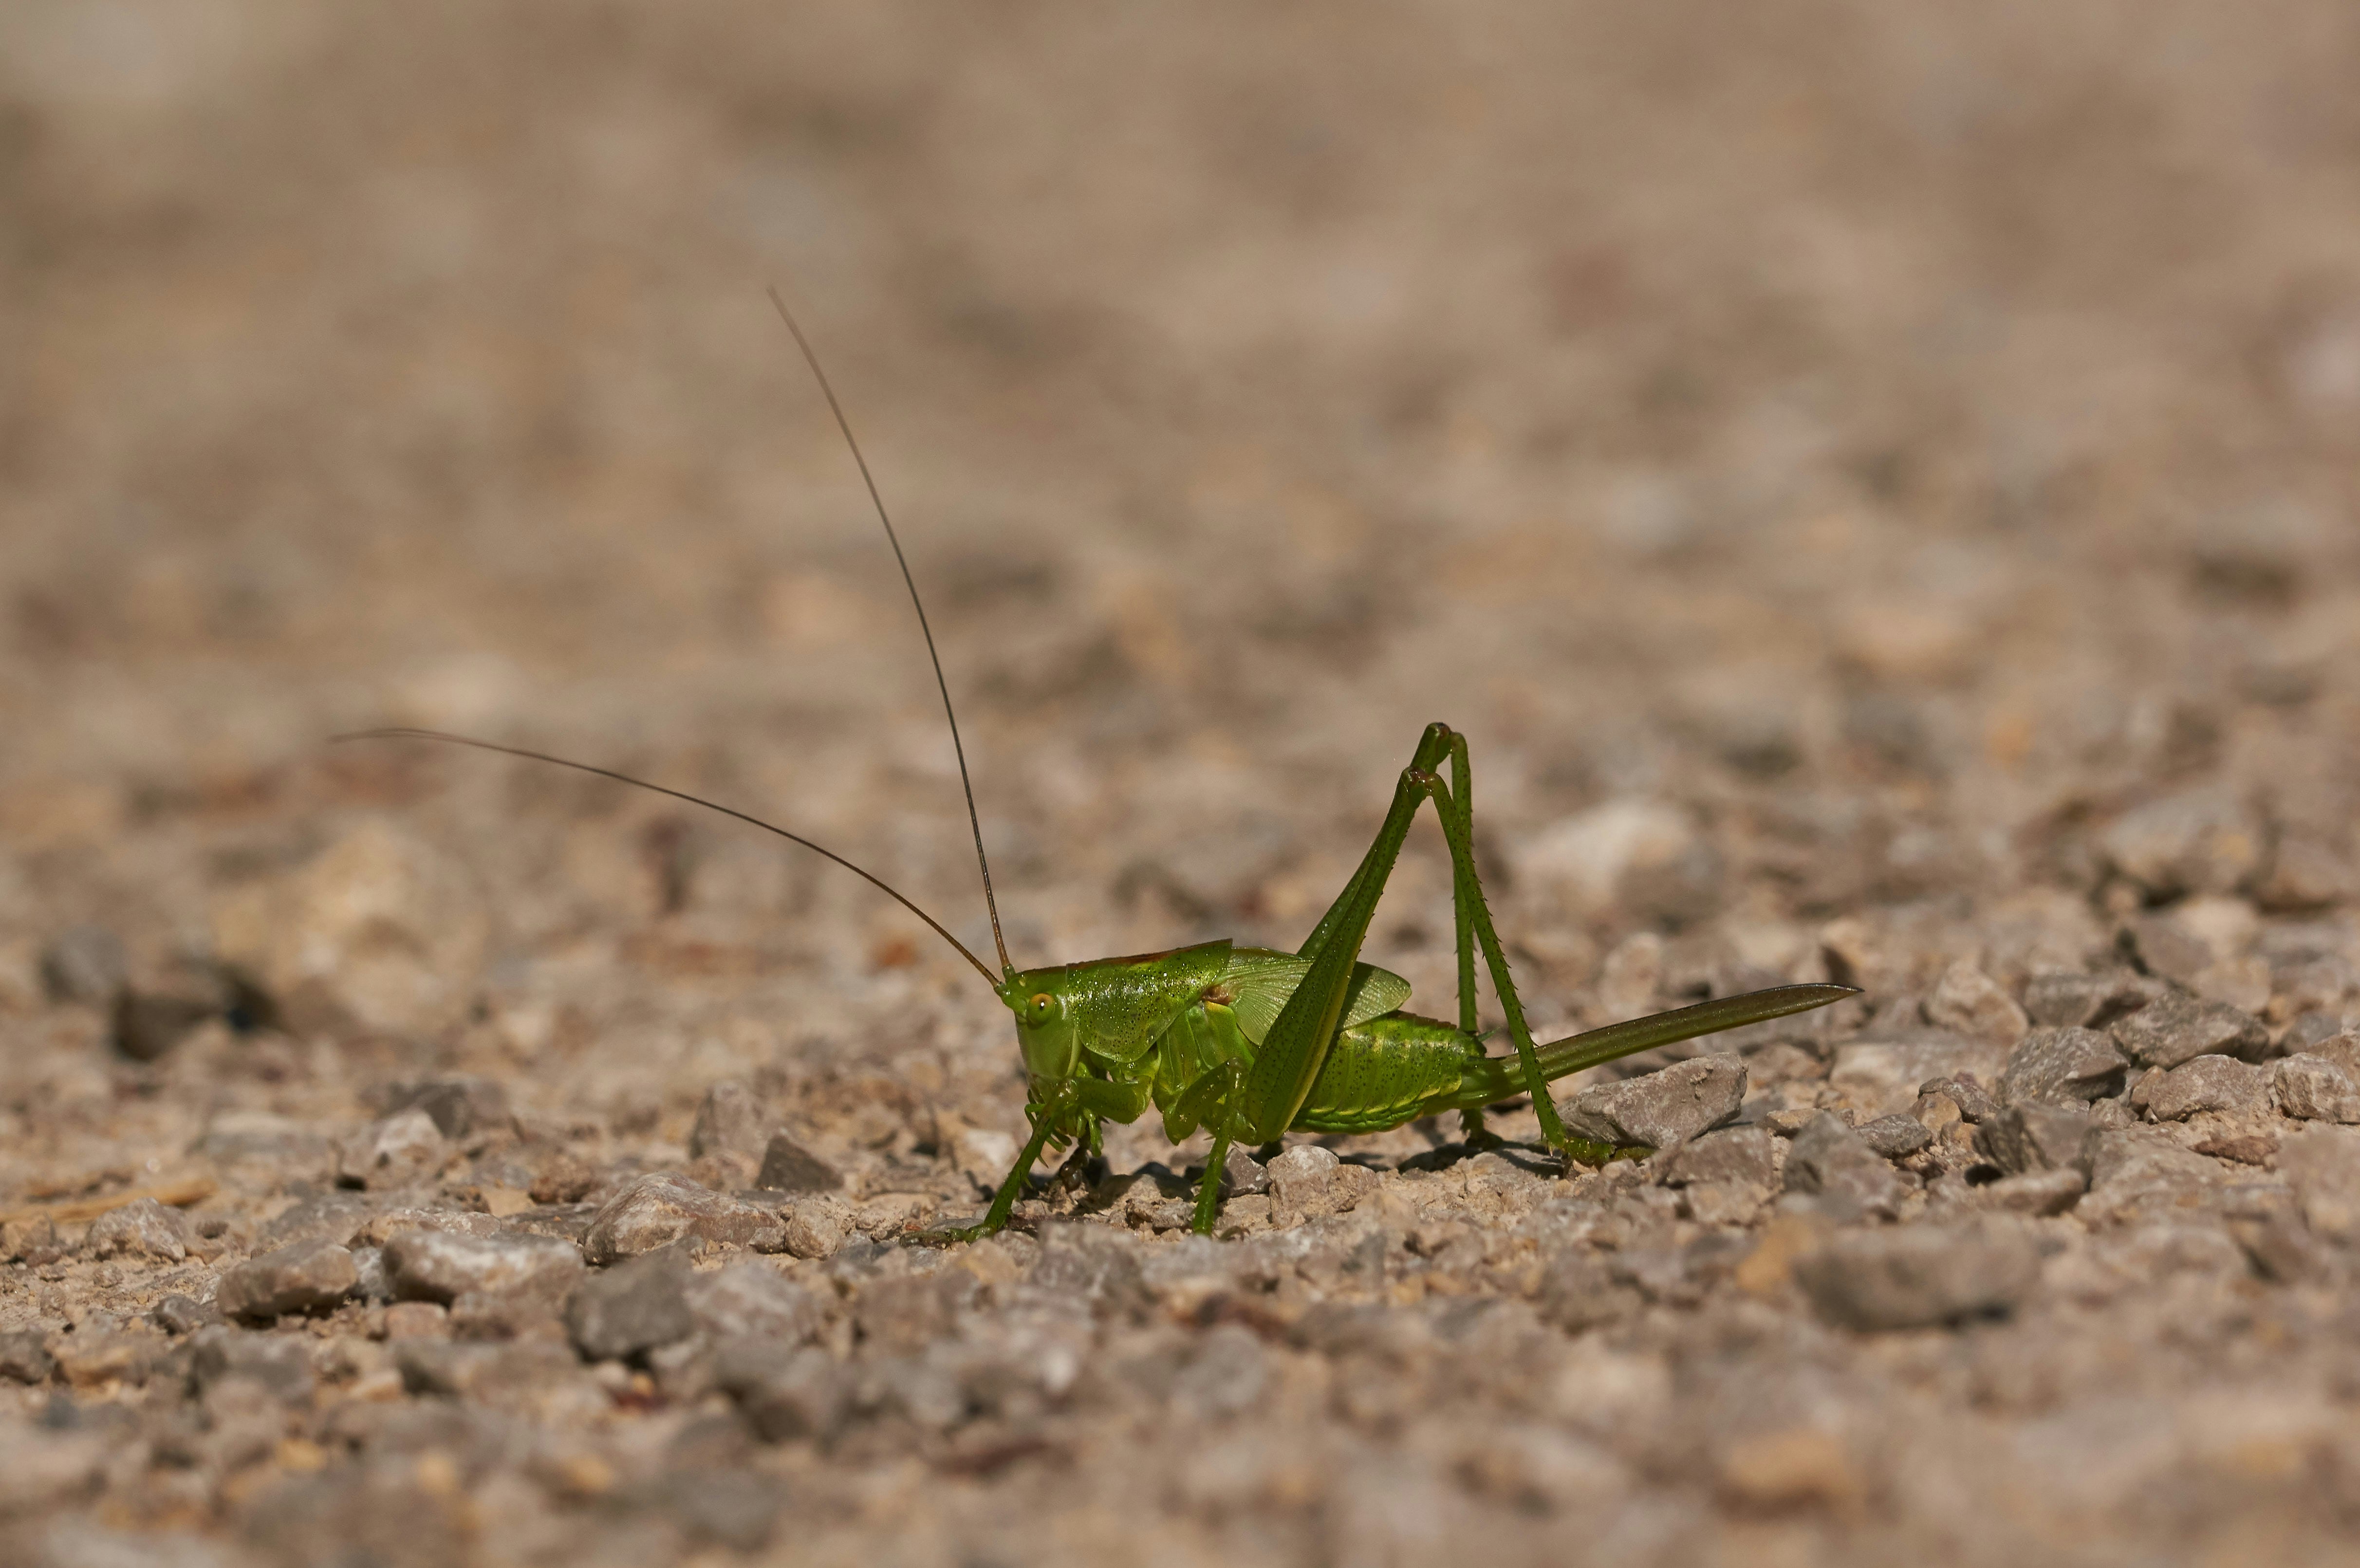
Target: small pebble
[1895,1137]
[84,964]
[1658,1109]
[25,1356]
[1917,1276]
[631,1308]
[729,1121]
[140,1228]
[442,1266]
[789,1166]
[2176,1027]
[2062,1067]
[309,1276]
[1828,1160]
[658,1210]
[2208,1084]
[2033,1137]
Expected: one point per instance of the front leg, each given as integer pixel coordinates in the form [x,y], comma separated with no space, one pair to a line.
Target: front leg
[1046,1120]
[1212,1100]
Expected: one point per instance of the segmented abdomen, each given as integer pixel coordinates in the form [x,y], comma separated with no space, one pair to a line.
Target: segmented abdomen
[1383,1073]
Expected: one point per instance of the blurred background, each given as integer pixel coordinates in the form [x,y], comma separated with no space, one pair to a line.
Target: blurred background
[1838,463]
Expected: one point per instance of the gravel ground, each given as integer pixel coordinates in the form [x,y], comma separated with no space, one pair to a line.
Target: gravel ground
[1874,482]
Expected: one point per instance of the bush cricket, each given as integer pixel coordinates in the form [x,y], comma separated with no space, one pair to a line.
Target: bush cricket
[1248,1042]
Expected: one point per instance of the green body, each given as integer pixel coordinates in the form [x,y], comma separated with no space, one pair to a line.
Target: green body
[1250,1043]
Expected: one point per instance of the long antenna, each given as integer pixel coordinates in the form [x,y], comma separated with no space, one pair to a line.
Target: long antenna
[405,733]
[975,823]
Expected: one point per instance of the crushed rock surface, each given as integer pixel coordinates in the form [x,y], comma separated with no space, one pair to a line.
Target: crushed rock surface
[1874,483]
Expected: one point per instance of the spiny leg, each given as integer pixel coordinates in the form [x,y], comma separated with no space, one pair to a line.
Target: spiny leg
[1467,898]
[1208,1190]
[1346,924]
[1378,862]
[1464,897]
[1004,1203]
[1299,1038]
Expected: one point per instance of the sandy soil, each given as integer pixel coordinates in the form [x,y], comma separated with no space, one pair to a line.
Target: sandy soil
[1874,482]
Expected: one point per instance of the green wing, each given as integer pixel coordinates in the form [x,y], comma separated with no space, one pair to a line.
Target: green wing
[1261,980]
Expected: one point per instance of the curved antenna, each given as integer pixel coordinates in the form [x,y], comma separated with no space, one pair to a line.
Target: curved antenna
[405,733]
[975,823]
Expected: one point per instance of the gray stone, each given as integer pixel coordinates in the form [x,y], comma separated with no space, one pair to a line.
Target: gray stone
[400,1150]
[32,1240]
[329,1216]
[1972,1002]
[1579,1293]
[84,964]
[140,1228]
[521,1373]
[729,1121]
[2307,872]
[1309,1181]
[658,1210]
[377,933]
[2139,1174]
[371,1282]
[95,1356]
[1224,1374]
[2342,1047]
[1658,1109]
[785,1391]
[2208,1084]
[386,1223]
[2063,1000]
[1881,1076]
[460,1106]
[1740,1155]
[1828,1160]
[1975,1102]
[2312,1029]
[2202,841]
[2283,1251]
[907,1314]
[752,1300]
[2315,1089]
[815,1226]
[144,1026]
[443,1266]
[309,1276]
[1241,1173]
[2176,1027]
[2087,1001]
[279,1364]
[2037,1193]
[1918,1276]
[2165,947]
[734,1508]
[1895,1137]
[789,1166]
[2062,1067]
[2034,1138]
[1089,1264]
[25,1356]
[183,1314]
[631,1308]
[2323,1164]
[41,1466]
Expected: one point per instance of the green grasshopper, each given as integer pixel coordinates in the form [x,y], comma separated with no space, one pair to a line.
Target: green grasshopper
[1250,1042]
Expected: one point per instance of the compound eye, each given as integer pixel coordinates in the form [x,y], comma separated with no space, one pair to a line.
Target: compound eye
[1042,1002]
